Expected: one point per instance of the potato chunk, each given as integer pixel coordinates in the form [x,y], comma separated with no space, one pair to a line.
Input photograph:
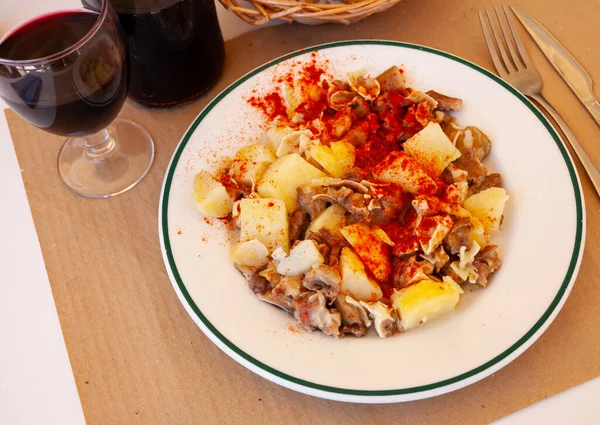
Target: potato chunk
[355,281]
[478,232]
[425,300]
[336,159]
[283,177]
[488,206]
[401,168]
[332,219]
[251,253]
[251,162]
[373,252]
[211,196]
[266,220]
[432,149]
[276,134]
[345,153]
[302,258]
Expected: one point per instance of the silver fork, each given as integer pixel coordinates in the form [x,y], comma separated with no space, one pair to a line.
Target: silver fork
[515,67]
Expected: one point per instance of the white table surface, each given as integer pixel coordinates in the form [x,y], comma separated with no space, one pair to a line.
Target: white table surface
[36,381]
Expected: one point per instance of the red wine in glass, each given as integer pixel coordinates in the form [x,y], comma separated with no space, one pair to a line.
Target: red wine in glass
[67,73]
[76,96]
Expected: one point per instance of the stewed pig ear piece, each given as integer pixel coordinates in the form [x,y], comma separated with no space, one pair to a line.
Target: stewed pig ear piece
[368,88]
[337,100]
[417,97]
[391,79]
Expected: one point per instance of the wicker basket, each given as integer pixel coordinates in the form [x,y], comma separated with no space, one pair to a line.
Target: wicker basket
[259,12]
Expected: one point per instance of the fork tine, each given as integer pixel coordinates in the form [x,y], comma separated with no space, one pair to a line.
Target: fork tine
[516,59]
[517,38]
[491,47]
[507,63]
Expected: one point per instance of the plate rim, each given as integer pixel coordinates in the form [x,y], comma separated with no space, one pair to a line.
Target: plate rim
[357,395]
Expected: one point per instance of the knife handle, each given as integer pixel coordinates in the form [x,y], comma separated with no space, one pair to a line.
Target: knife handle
[587,163]
[594,109]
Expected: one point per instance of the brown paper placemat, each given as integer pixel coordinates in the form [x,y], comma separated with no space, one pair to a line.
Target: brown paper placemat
[136,355]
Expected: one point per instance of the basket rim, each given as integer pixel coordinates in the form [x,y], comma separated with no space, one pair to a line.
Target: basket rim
[259,12]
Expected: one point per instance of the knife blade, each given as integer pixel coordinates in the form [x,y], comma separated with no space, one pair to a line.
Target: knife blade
[567,66]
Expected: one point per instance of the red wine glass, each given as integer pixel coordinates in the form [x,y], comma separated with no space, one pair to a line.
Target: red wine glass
[66,72]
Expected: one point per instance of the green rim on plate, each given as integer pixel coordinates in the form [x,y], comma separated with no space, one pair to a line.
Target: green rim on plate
[418,389]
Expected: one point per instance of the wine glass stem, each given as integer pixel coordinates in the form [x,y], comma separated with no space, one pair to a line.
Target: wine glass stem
[99,144]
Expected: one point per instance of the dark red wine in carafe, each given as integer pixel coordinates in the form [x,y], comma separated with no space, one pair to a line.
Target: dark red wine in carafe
[77,95]
[175,48]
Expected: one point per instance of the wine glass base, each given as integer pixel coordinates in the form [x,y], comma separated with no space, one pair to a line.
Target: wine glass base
[125,162]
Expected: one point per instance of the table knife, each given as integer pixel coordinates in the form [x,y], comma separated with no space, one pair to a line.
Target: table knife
[567,66]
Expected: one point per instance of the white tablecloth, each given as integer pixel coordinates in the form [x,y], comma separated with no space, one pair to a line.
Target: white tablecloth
[36,382]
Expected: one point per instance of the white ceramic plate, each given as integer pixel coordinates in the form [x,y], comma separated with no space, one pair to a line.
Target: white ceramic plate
[541,243]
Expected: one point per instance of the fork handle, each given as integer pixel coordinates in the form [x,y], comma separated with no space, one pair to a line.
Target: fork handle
[587,163]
